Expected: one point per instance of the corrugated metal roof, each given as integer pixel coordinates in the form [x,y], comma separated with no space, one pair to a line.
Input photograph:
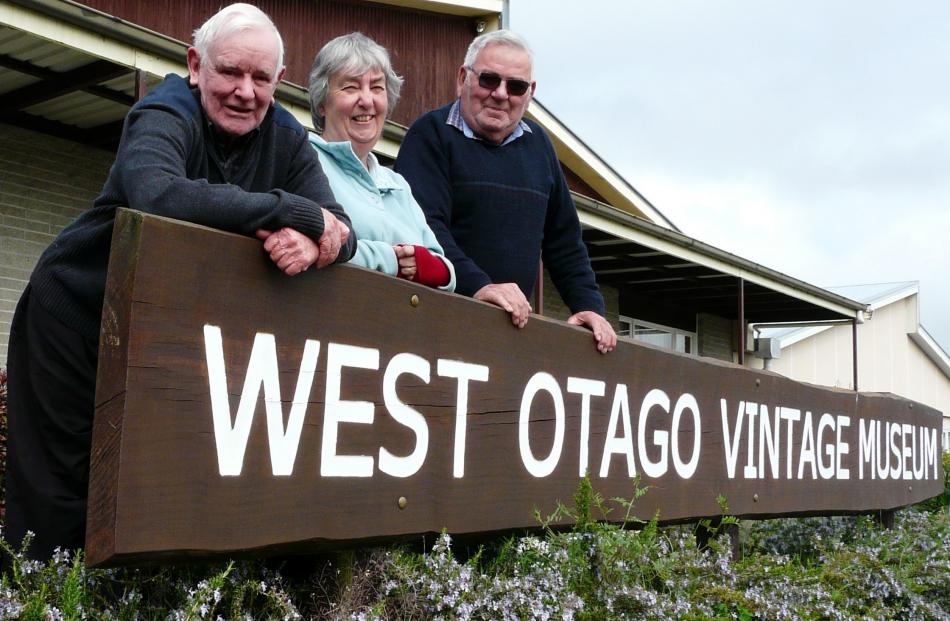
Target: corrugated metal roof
[53,88]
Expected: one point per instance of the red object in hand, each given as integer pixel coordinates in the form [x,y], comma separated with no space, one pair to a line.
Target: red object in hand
[430,269]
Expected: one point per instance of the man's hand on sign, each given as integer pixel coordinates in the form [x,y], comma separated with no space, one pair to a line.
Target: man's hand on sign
[604,334]
[290,250]
[509,296]
[335,234]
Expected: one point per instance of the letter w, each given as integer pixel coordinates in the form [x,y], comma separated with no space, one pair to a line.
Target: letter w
[231,440]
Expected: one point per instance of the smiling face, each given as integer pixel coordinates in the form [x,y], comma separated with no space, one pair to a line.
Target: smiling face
[355,110]
[493,114]
[238,79]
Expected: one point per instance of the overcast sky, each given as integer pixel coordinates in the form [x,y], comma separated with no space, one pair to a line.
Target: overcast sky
[810,136]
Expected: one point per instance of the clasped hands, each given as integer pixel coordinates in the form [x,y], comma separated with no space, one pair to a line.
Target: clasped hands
[293,252]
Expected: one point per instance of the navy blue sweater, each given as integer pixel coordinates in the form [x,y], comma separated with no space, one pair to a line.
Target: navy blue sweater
[168,164]
[497,209]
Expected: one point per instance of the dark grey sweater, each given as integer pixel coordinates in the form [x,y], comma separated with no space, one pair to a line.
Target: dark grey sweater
[169,164]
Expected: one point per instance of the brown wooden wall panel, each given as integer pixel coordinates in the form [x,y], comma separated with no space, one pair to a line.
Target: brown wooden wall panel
[242,411]
[426,48]
[580,186]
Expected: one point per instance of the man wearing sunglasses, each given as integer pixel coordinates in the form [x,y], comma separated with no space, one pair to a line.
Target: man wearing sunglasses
[493,191]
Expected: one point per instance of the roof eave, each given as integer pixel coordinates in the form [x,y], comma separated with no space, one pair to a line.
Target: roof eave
[673,242]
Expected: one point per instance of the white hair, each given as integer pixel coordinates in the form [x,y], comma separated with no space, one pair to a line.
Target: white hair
[232,19]
[496,37]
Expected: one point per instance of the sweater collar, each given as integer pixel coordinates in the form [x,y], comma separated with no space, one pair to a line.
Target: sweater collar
[344,157]
[456,120]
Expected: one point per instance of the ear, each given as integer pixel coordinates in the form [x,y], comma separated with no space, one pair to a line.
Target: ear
[534,85]
[280,76]
[194,63]
[460,81]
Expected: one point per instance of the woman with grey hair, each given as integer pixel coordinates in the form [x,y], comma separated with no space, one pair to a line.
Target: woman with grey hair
[352,90]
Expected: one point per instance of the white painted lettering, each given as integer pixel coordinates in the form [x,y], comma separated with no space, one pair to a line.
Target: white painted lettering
[338,411]
[686,469]
[807,454]
[841,448]
[731,441]
[540,467]
[623,445]
[769,441]
[231,440]
[825,449]
[654,398]
[405,415]
[751,411]
[464,372]
[789,415]
[586,388]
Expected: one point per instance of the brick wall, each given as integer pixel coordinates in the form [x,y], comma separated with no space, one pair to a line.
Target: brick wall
[45,182]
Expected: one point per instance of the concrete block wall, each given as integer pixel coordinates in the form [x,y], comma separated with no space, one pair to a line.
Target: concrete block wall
[45,182]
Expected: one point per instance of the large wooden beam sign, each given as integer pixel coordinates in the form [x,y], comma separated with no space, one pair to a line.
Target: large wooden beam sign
[240,410]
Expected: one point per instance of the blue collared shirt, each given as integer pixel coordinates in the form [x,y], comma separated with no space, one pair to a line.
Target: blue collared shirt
[456,120]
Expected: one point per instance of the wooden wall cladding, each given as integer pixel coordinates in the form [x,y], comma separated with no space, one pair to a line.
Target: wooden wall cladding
[426,48]
[242,411]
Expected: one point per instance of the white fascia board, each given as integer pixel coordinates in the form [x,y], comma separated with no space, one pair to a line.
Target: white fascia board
[802,334]
[88,42]
[931,349]
[895,296]
[468,8]
[613,227]
[593,170]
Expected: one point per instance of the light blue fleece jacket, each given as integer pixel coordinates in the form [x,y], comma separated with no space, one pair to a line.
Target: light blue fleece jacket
[380,204]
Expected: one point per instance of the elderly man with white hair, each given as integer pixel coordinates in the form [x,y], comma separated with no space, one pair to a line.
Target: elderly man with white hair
[493,191]
[214,149]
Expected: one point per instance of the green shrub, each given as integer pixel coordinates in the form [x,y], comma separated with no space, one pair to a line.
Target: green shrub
[814,568]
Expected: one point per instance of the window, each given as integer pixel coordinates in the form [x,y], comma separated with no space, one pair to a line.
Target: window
[656,334]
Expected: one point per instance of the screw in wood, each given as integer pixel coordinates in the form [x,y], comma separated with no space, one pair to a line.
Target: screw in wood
[402,502]
[414,301]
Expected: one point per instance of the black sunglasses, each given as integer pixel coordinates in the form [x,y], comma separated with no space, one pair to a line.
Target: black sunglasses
[491,81]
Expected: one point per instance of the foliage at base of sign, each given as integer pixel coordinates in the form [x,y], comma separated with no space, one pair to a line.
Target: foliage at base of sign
[3,442]
[814,568]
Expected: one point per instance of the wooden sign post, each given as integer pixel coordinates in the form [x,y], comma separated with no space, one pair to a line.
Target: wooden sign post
[239,410]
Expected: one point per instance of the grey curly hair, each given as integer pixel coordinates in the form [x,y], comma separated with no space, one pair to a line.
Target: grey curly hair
[354,53]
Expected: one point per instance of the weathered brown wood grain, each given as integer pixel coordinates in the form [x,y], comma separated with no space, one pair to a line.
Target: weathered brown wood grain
[156,491]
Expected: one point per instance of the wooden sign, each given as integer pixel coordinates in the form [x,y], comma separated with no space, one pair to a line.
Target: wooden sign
[240,410]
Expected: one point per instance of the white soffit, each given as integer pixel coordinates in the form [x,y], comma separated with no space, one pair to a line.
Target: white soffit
[932,350]
[91,43]
[690,250]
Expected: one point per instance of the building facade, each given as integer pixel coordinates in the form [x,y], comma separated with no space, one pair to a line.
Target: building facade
[69,71]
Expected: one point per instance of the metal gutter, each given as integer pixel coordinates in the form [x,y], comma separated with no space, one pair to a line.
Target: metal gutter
[612,220]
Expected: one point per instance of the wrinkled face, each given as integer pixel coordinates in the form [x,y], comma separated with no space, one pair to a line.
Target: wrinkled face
[355,110]
[493,114]
[238,80]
